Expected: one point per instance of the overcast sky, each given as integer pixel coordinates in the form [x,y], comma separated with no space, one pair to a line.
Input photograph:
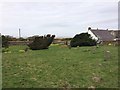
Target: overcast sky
[63,18]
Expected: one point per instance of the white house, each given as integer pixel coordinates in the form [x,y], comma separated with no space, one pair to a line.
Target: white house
[92,34]
[101,35]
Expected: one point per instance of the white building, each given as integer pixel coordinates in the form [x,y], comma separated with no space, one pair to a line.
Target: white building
[101,35]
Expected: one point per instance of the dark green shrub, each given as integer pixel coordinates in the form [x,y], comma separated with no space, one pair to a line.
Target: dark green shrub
[11,38]
[83,39]
[41,42]
[5,50]
[5,42]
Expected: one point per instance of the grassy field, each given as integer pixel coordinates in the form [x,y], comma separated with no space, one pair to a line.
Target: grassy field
[59,66]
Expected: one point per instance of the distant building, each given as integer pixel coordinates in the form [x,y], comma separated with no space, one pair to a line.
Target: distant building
[104,36]
[115,33]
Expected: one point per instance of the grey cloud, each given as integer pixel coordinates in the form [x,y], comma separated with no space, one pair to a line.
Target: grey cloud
[61,18]
[113,20]
[59,25]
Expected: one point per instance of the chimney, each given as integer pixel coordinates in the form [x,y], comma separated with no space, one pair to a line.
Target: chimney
[89,28]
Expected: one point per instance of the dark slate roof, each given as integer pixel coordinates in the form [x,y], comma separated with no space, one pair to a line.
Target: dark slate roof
[103,35]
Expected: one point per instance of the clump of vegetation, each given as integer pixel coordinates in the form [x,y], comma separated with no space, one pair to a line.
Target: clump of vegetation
[5,42]
[6,50]
[54,45]
[107,55]
[21,51]
[83,39]
[41,42]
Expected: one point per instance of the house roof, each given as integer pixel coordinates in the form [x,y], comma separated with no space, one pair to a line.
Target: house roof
[103,35]
[116,33]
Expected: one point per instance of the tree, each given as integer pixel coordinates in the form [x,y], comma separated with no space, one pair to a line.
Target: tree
[83,39]
[5,42]
[41,42]
[22,39]
[11,38]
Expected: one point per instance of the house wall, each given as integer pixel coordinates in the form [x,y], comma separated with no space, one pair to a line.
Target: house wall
[113,33]
[92,35]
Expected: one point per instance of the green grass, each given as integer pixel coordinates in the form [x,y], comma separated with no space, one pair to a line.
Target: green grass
[58,66]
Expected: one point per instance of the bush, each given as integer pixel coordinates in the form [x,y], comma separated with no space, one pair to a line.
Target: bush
[54,45]
[21,51]
[41,42]
[5,50]
[5,42]
[83,39]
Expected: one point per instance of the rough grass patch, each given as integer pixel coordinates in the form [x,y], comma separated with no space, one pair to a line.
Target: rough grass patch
[60,67]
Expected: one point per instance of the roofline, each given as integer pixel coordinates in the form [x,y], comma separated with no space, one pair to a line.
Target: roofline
[105,29]
[113,30]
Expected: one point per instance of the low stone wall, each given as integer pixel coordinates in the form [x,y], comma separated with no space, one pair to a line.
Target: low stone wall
[61,42]
[19,42]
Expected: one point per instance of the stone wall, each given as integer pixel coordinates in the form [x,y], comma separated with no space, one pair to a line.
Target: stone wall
[19,42]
